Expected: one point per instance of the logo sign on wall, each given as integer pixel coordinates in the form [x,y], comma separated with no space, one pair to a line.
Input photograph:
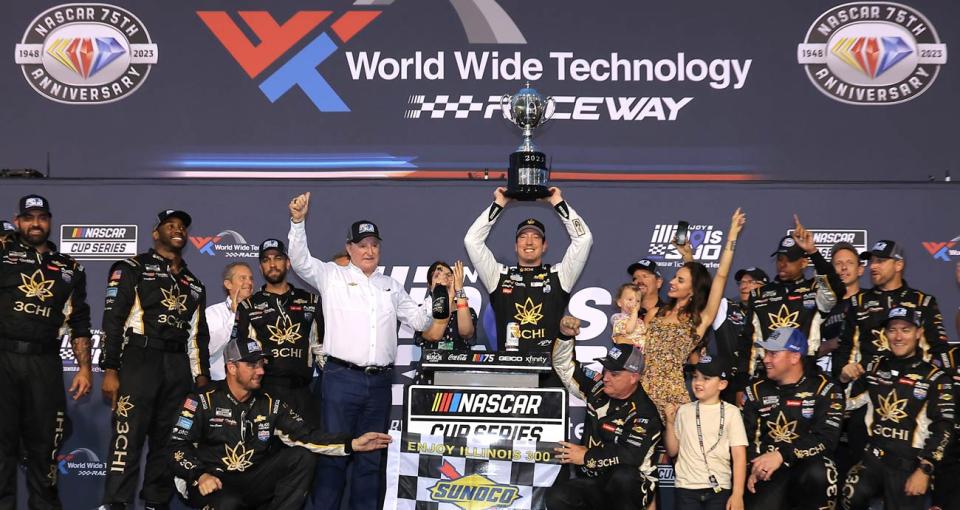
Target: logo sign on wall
[514,413]
[824,239]
[705,239]
[99,242]
[872,53]
[944,251]
[86,53]
[221,243]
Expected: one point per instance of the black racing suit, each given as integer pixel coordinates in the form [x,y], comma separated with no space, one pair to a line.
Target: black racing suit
[732,345]
[802,304]
[217,435]
[42,296]
[528,302]
[286,326]
[156,336]
[865,338]
[801,421]
[946,492]
[619,471]
[910,406]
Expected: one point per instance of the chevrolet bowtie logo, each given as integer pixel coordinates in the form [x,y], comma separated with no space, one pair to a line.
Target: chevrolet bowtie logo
[237,458]
[36,286]
[891,408]
[783,319]
[284,331]
[783,431]
[528,313]
[173,300]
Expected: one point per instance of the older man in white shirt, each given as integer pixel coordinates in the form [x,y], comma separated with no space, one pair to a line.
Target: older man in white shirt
[238,284]
[361,307]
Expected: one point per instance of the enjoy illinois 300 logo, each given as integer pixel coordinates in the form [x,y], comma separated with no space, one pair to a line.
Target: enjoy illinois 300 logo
[86,53]
[872,53]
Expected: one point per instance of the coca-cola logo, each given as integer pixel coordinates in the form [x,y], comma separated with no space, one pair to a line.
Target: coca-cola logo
[457,357]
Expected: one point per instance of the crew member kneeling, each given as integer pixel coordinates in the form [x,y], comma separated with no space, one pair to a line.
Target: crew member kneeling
[616,468]
[909,423]
[221,454]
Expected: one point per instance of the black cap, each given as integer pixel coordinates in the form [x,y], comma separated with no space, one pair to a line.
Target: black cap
[272,244]
[711,366]
[249,351]
[7,228]
[532,224]
[623,357]
[361,229]
[884,249]
[902,314]
[788,246]
[167,214]
[33,203]
[646,265]
[843,245]
[755,272]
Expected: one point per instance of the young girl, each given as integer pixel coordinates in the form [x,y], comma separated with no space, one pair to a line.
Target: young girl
[628,327]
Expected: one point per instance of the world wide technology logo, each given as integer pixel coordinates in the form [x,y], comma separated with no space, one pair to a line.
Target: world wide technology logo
[484,22]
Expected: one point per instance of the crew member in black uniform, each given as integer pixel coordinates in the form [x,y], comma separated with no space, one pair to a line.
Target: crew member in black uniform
[909,419]
[43,295]
[946,492]
[616,468]
[285,321]
[155,348]
[791,300]
[792,418]
[730,343]
[220,448]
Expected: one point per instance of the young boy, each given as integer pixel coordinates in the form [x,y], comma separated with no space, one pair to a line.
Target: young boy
[704,436]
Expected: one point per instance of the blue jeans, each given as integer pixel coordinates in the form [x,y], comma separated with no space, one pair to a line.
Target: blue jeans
[353,403]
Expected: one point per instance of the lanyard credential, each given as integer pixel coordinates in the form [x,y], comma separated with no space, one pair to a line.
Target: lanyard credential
[713,479]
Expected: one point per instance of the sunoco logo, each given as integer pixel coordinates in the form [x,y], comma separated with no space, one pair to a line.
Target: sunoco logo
[872,53]
[824,239]
[706,241]
[472,492]
[86,53]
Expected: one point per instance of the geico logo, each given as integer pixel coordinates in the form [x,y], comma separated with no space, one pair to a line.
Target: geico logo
[532,334]
[511,358]
[457,357]
[120,447]
[503,431]
[892,433]
[495,403]
[608,462]
[287,352]
[171,320]
[834,237]
[32,309]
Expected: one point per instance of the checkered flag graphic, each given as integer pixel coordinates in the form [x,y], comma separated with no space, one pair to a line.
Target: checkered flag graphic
[440,106]
[424,479]
[657,249]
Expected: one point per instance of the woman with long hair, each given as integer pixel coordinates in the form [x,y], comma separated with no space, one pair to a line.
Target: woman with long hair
[458,333]
[675,330]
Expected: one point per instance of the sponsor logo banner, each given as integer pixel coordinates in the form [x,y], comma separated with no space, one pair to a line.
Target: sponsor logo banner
[705,239]
[825,238]
[437,359]
[99,242]
[944,251]
[228,243]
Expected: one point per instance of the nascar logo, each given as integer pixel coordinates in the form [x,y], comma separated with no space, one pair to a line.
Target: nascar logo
[457,402]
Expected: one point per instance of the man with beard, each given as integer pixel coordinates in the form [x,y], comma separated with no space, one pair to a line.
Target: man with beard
[646,276]
[528,299]
[155,348]
[221,317]
[284,320]
[41,291]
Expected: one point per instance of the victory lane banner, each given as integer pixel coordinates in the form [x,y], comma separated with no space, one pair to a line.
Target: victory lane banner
[469,473]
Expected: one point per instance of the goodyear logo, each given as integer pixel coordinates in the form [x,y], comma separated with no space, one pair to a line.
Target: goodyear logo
[472,492]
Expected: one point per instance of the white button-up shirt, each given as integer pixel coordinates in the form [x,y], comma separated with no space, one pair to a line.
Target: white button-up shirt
[220,320]
[360,313]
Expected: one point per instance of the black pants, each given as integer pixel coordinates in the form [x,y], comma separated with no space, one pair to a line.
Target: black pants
[278,482]
[296,395]
[32,414]
[808,484]
[873,478]
[153,386]
[851,452]
[946,485]
[700,499]
[623,488]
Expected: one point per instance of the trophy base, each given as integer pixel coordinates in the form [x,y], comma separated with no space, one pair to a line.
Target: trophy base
[527,176]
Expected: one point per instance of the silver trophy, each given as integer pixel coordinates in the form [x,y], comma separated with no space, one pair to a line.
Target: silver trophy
[528,173]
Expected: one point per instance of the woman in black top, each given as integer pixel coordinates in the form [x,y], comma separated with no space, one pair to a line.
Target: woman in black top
[459,333]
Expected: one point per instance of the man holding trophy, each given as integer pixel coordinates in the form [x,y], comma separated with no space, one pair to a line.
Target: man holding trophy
[529,298]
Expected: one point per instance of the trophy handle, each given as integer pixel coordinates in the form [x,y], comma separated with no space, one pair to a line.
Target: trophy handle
[505,107]
[550,100]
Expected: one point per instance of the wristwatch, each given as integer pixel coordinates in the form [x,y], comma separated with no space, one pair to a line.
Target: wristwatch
[926,467]
[460,294]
